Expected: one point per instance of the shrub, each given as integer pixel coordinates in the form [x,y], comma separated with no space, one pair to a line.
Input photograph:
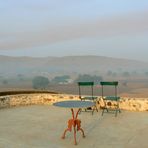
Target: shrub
[40,82]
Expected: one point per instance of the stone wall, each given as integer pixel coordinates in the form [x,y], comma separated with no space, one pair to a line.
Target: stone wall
[131,104]
[33,99]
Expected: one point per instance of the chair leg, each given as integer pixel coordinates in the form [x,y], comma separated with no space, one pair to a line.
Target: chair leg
[93,111]
[94,108]
[102,111]
[104,108]
[119,110]
[116,112]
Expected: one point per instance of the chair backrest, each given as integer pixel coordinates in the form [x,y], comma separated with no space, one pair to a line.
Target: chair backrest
[109,83]
[85,84]
[114,83]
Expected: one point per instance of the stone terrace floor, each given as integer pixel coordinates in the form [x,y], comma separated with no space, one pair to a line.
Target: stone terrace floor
[42,127]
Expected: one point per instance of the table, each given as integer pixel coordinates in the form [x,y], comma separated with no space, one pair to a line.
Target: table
[74,121]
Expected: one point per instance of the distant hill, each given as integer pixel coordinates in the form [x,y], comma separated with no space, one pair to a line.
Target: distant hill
[67,65]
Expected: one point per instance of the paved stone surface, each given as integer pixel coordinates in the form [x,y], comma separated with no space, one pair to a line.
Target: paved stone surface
[42,127]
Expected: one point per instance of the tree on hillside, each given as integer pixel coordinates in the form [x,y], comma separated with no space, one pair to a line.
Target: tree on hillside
[109,73]
[40,82]
[126,74]
[5,82]
[124,83]
[146,73]
[20,77]
[114,74]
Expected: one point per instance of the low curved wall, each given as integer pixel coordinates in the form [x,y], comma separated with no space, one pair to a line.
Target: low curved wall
[131,104]
[32,99]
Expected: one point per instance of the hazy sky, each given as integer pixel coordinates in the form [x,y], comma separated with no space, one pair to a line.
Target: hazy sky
[114,28]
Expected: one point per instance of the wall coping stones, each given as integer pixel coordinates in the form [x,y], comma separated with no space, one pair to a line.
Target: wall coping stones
[126,103]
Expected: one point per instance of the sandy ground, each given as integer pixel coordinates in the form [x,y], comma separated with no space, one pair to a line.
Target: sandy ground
[42,127]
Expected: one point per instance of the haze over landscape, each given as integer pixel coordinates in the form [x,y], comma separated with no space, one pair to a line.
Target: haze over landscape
[57,38]
[42,28]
